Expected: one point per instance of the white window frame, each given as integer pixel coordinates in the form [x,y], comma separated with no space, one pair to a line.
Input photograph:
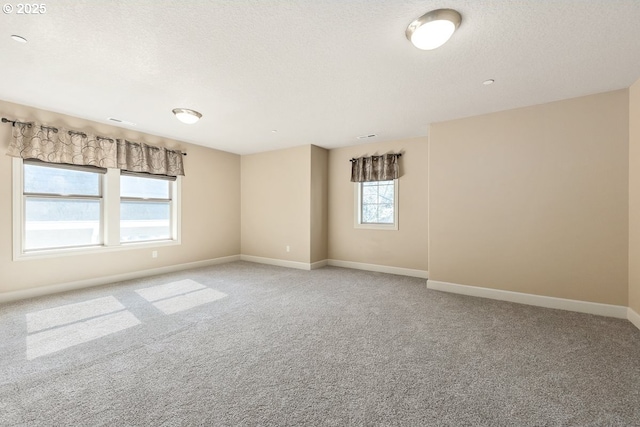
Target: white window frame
[60,196]
[172,214]
[358,209]
[110,219]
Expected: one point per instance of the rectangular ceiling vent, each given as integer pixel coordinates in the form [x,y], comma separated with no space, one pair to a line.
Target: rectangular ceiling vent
[124,122]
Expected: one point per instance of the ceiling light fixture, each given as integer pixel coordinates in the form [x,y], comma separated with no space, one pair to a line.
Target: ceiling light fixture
[186,115]
[488,82]
[433,29]
[18,38]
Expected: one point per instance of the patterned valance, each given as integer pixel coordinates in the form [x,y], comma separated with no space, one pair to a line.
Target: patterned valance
[58,145]
[375,168]
[140,157]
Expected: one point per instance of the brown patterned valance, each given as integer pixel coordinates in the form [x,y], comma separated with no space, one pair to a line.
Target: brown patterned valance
[140,157]
[375,168]
[58,145]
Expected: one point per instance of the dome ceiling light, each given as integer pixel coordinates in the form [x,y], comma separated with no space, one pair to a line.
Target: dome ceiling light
[186,115]
[18,38]
[433,29]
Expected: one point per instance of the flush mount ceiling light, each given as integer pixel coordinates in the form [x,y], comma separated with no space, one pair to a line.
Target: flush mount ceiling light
[18,38]
[433,29]
[186,115]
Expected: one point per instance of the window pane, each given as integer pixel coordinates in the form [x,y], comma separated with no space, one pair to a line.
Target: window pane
[56,223]
[378,202]
[369,196]
[142,221]
[144,188]
[385,214]
[53,180]
[369,213]
[386,193]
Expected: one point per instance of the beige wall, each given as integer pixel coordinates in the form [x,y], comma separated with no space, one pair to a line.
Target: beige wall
[210,212]
[404,248]
[634,197]
[531,200]
[534,200]
[276,204]
[319,203]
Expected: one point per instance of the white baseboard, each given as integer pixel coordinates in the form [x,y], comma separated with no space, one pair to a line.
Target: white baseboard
[87,283]
[423,274]
[633,317]
[319,264]
[279,262]
[337,263]
[608,310]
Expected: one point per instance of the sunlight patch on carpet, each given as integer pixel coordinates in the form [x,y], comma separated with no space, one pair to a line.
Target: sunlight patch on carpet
[168,290]
[179,296]
[70,313]
[58,328]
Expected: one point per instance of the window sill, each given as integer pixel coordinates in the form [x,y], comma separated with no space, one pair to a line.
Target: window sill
[392,227]
[89,250]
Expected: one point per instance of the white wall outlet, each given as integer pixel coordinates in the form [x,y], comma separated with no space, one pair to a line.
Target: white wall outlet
[288,248]
[154,254]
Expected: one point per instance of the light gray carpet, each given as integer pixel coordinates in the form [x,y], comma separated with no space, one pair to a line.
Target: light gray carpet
[327,347]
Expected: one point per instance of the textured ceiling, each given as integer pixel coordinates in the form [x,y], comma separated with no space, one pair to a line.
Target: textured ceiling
[319,72]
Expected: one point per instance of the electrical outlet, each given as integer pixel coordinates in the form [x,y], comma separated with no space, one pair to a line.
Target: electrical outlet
[154,254]
[288,248]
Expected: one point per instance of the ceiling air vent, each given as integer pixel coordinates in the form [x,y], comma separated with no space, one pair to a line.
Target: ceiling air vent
[123,122]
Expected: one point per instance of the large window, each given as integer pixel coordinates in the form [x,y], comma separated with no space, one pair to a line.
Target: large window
[62,209]
[62,206]
[376,205]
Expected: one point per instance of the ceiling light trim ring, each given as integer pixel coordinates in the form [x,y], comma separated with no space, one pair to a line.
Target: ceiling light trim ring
[450,15]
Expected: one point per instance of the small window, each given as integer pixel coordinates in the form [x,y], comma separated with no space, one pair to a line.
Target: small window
[145,208]
[377,205]
[62,206]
